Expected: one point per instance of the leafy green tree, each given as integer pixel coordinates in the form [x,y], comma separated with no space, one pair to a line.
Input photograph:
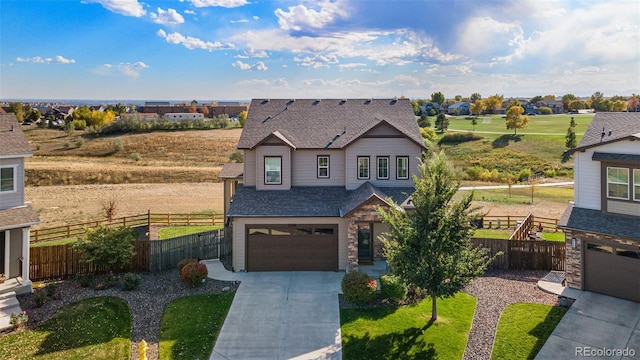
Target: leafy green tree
[438,97]
[475,97]
[117,109]
[597,99]
[107,248]
[429,247]
[17,109]
[515,120]
[570,139]
[535,99]
[442,123]
[576,104]
[568,97]
[619,106]
[424,121]
[415,104]
[458,97]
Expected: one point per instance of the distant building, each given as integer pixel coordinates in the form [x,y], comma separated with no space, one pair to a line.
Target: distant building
[184,116]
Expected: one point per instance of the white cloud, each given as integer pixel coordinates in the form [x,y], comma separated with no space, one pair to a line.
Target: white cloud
[167,17]
[255,17]
[259,66]
[300,17]
[351,65]
[484,35]
[127,69]
[122,7]
[192,43]
[317,61]
[190,12]
[239,21]
[46,60]
[218,3]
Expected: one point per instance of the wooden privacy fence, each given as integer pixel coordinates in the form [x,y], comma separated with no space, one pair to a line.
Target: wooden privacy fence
[524,254]
[63,261]
[79,229]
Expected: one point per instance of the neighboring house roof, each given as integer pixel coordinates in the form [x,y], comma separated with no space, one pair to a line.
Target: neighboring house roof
[325,123]
[598,222]
[231,171]
[12,139]
[615,126]
[309,201]
[18,217]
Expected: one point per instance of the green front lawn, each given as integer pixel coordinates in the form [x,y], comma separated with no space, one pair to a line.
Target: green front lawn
[190,326]
[493,233]
[553,236]
[523,329]
[95,328]
[175,231]
[404,332]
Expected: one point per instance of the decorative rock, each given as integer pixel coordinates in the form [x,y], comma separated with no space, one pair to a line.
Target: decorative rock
[226,288]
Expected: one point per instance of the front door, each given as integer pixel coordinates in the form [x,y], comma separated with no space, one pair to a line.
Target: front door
[365,243]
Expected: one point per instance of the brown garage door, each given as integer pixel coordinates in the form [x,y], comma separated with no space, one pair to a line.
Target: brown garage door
[292,247]
[613,269]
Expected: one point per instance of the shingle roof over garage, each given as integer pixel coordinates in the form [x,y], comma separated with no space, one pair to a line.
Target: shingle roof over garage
[12,139]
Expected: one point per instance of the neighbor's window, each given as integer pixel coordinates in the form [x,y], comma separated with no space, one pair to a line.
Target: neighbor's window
[7,179]
[402,167]
[363,167]
[636,184]
[383,167]
[618,183]
[273,170]
[323,166]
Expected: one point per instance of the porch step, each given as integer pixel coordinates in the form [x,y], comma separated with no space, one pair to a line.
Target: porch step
[10,294]
[8,305]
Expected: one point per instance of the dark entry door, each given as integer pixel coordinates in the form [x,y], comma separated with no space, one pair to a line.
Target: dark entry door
[365,243]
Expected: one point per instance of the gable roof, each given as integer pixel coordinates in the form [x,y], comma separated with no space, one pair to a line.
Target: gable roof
[598,222]
[615,126]
[325,123]
[12,139]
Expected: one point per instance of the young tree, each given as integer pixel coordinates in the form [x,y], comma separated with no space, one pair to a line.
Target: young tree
[424,121]
[515,120]
[438,97]
[570,139]
[442,123]
[108,248]
[474,122]
[429,247]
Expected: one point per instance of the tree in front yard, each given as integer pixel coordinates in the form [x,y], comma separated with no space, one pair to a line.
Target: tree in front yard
[429,247]
[108,248]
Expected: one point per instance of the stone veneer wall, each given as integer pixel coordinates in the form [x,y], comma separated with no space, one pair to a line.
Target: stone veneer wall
[364,214]
[573,267]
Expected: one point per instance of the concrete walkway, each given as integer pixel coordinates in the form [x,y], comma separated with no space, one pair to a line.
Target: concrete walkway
[594,324]
[280,315]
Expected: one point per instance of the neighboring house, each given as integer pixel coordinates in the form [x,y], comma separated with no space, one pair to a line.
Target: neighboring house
[603,225]
[16,216]
[530,108]
[459,108]
[557,107]
[314,174]
[184,116]
[425,109]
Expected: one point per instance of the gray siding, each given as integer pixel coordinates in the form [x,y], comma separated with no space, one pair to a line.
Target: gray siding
[305,168]
[15,198]
[623,207]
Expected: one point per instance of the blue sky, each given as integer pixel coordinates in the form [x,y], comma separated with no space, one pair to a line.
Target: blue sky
[242,49]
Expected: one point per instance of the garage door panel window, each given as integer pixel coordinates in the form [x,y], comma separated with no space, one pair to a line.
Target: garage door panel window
[303,231]
[628,253]
[600,248]
[618,183]
[323,231]
[273,170]
[280,232]
[258,231]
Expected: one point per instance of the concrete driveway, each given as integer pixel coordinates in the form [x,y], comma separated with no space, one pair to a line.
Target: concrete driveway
[283,315]
[594,324]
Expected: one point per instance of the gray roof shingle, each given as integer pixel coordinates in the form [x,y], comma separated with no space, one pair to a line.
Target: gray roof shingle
[598,222]
[12,139]
[621,126]
[325,123]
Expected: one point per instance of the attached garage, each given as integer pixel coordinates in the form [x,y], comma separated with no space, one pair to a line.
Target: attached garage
[612,269]
[312,247]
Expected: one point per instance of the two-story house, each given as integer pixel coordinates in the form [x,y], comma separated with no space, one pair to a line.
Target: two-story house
[459,108]
[314,174]
[16,216]
[603,225]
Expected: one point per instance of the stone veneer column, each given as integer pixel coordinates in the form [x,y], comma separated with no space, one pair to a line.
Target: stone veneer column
[573,265]
[367,213]
[352,245]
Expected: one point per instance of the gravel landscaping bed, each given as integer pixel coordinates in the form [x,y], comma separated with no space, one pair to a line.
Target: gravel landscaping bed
[494,291]
[147,303]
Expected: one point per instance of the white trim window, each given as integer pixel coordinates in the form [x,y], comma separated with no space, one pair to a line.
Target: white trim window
[383,167]
[8,179]
[323,166]
[402,167]
[363,167]
[272,170]
[618,183]
[636,184]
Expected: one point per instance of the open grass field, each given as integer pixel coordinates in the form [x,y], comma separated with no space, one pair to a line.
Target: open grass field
[540,124]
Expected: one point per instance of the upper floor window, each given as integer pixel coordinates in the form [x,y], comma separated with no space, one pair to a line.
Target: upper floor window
[636,184]
[7,179]
[383,167]
[323,166]
[402,167]
[618,183]
[272,170]
[363,167]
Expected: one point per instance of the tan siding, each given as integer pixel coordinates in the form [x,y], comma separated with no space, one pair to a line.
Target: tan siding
[384,130]
[374,147]
[13,199]
[239,236]
[249,175]
[266,151]
[622,207]
[305,168]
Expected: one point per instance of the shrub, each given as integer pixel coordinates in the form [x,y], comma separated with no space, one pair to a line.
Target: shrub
[131,281]
[117,145]
[194,273]
[424,121]
[184,262]
[136,157]
[550,173]
[474,172]
[18,320]
[391,288]
[78,124]
[84,279]
[545,110]
[40,297]
[237,156]
[110,248]
[459,137]
[359,288]
[79,142]
[524,175]
[428,134]
[51,290]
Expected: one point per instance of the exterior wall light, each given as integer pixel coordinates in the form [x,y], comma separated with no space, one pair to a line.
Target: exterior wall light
[573,243]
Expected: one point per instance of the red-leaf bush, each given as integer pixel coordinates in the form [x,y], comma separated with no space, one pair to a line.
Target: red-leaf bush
[359,288]
[194,273]
[184,262]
